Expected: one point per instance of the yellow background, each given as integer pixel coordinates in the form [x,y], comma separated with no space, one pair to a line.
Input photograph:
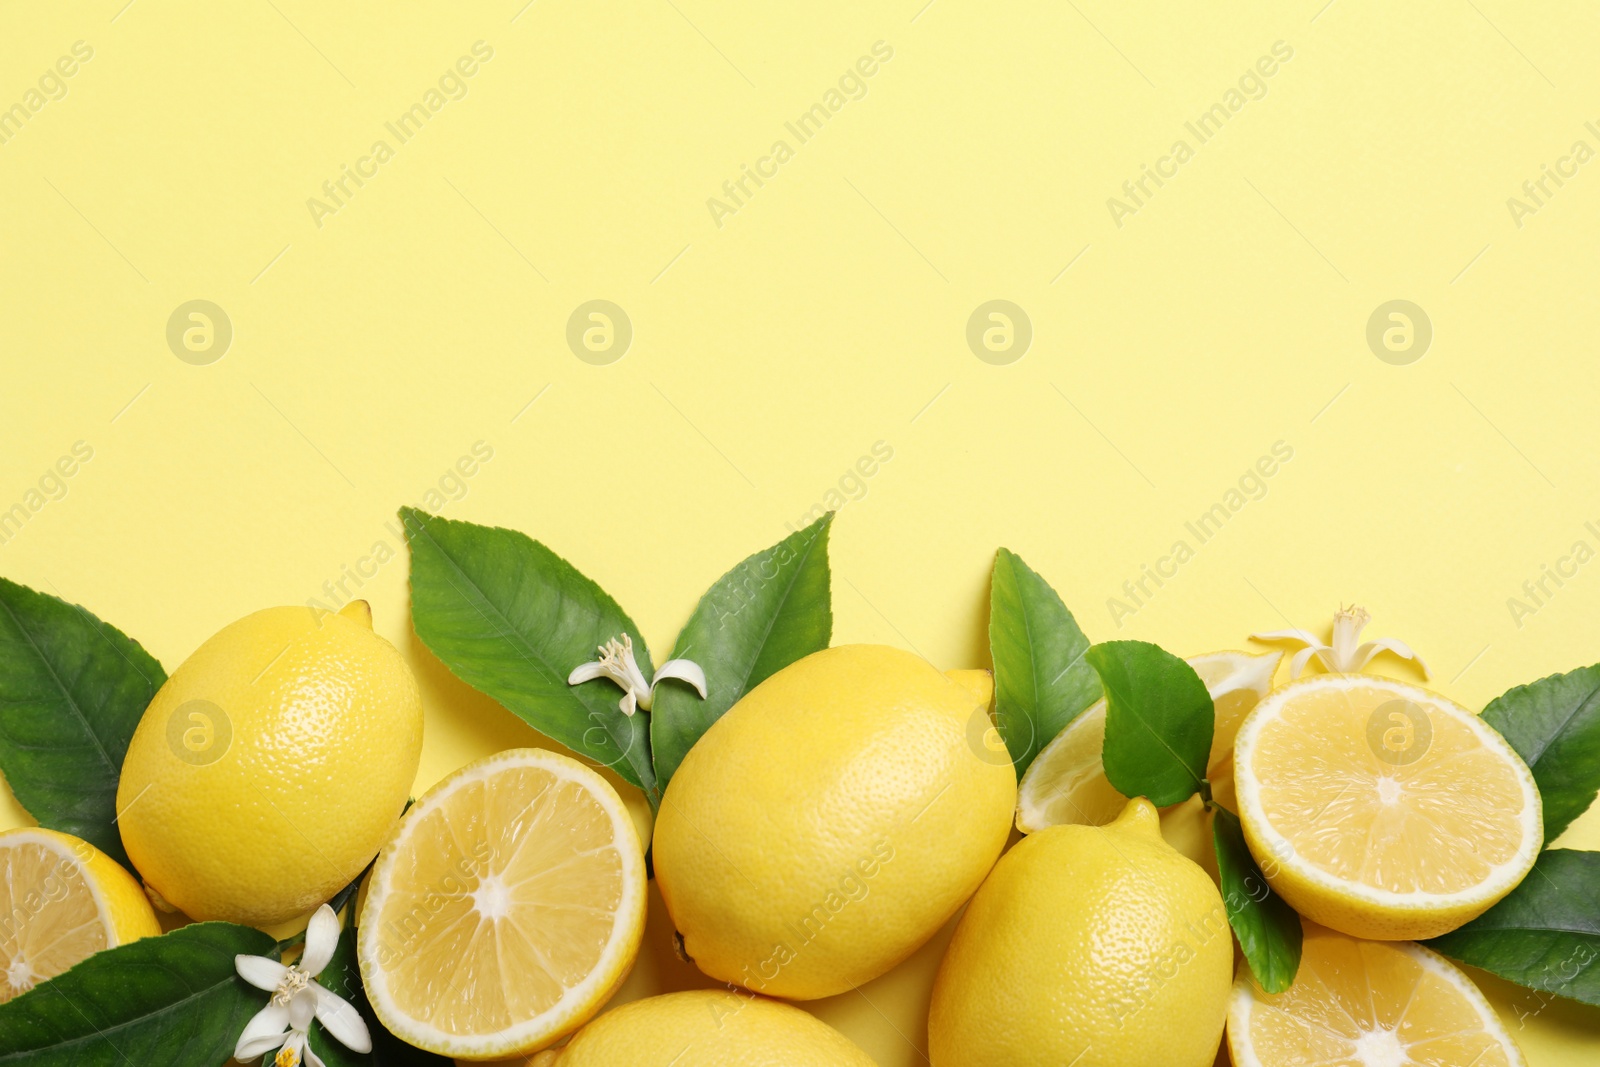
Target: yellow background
[827,314]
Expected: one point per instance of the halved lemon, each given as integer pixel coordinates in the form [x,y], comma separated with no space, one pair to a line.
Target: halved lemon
[1066,783]
[61,901]
[506,910]
[1383,810]
[1367,1004]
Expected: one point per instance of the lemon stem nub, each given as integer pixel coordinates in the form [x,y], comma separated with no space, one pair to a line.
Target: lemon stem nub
[617,663]
[1344,654]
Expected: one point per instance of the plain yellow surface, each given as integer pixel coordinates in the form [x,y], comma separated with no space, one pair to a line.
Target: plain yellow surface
[374,346]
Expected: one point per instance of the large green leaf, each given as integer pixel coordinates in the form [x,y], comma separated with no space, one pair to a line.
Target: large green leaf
[1041,679]
[764,614]
[1268,928]
[512,618]
[173,999]
[1159,721]
[1554,724]
[72,689]
[342,975]
[1546,934]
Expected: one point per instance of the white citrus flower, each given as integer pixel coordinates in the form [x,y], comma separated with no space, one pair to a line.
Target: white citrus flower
[617,663]
[1343,655]
[297,999]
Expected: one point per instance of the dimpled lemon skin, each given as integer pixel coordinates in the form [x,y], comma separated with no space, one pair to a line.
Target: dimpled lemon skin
[1090,946]
[709,1028]
[828,824]
[294,775]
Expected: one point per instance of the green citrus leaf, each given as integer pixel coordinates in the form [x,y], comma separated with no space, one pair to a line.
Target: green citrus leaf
[1159,721]
[772,609]
[1268,928]
[169,999]
[1545,934]
[1041,679]
[511,618]
[1554,724]
[72,690]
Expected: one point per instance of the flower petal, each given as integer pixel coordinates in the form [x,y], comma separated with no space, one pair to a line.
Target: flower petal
[1388,644]
[260,972]
[587,672]
[635,677]
[322,937]
[302,1009]
[628,702]
[263,1033]
[1288,635]
[342,1021]
[1298,664]
[311,1059]
[685,671]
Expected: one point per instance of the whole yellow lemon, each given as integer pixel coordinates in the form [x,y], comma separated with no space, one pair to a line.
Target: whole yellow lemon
[272,765]
[709,1028]
[833,820]
[1094,946]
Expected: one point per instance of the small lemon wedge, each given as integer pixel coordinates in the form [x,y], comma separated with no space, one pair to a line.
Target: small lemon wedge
[62,901]
[1066,783]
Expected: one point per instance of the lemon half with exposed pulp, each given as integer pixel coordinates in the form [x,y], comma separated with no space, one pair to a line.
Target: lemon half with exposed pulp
[1367,1004]
[507,908]
[62,900]
[1381,809]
